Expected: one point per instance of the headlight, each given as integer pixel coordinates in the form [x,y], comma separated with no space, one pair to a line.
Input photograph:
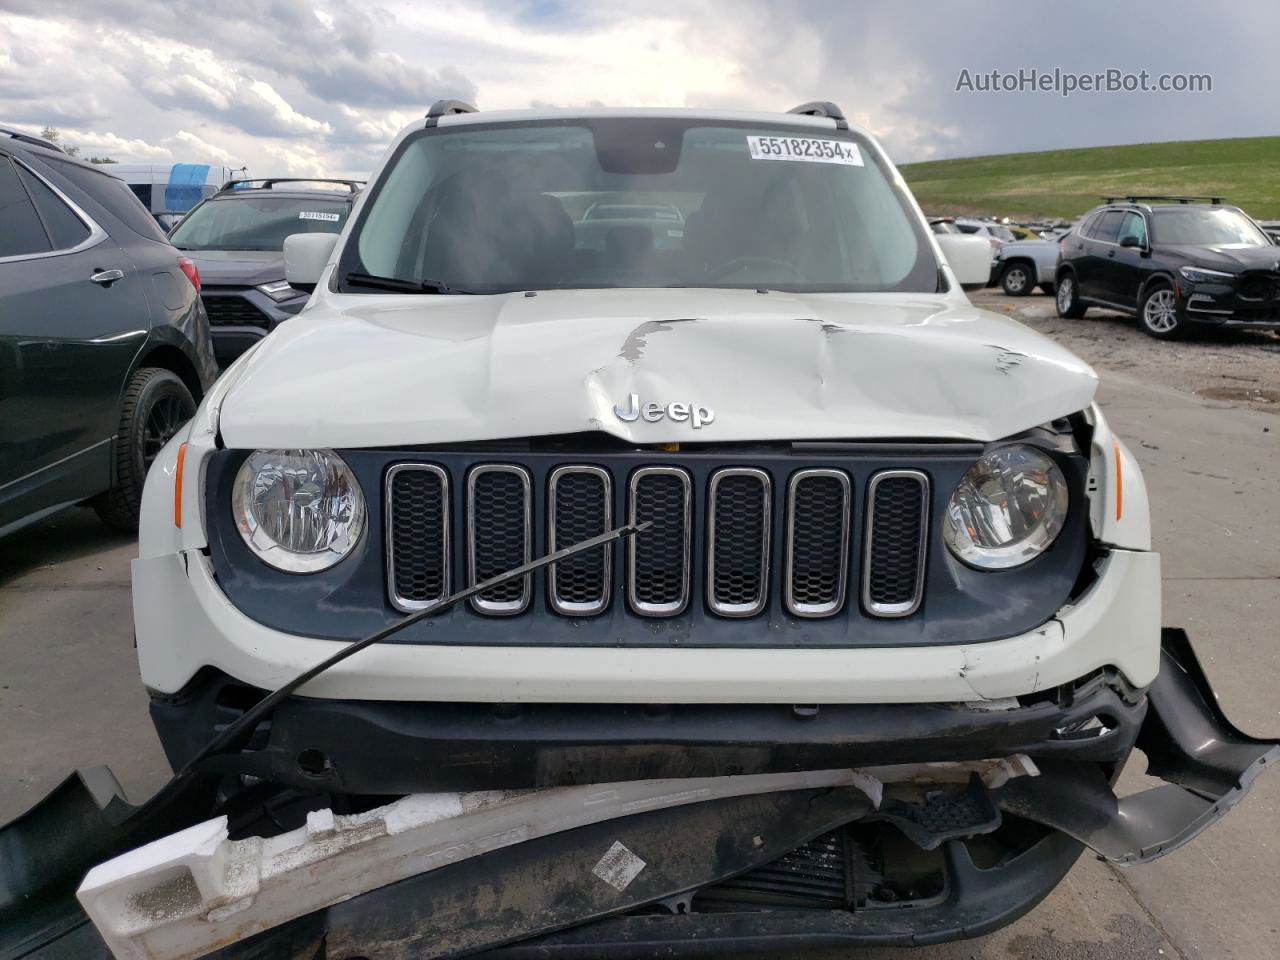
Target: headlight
[300,511]
[1007,509]
[279,290]
[1200,275]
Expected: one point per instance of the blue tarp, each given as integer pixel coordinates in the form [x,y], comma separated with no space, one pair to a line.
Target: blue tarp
[186,185]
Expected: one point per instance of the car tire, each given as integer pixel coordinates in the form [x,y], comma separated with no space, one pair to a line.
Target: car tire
[1158,313]
[156,404]
[1048,288]
[1067,301]
[1017,279]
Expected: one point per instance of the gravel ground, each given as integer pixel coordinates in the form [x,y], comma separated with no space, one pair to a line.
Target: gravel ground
[1239,368]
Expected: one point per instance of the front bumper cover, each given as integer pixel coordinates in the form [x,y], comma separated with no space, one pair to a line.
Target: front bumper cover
[1207,763]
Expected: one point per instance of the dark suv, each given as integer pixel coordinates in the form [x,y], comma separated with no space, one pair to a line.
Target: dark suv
[236,237]
[104,347]
[1174,262]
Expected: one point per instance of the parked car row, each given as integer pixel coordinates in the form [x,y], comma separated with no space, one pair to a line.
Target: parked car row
[236,238]
[110,333]
[1176,263]
[104,345]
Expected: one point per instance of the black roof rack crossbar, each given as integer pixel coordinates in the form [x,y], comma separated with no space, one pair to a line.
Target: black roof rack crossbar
[444,108]
[822,108]
[267,183]
[30,138]
[1155,196]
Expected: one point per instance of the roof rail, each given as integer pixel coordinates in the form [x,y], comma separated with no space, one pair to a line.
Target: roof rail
[267,183]
[445,108]
[822,108]
[1155,196]
[30,138]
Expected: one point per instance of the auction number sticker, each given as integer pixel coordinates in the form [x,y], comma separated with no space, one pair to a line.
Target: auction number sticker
[318,215]
[804,149]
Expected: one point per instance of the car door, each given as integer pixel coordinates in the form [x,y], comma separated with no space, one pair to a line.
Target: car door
[73,316]
[1093,267]
[1125,267]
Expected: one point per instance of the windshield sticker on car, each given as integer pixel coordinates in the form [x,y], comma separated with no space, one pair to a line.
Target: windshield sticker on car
[805,149]
[318,215]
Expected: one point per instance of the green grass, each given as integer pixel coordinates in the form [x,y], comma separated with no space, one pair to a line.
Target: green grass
[1066,183]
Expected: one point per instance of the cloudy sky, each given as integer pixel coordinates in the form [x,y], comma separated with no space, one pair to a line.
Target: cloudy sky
[320,86]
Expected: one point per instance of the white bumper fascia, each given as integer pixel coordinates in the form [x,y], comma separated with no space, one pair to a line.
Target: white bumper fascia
[185,622]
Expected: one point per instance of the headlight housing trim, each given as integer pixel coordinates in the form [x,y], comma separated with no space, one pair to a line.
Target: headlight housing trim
[1007,509]
[299,511]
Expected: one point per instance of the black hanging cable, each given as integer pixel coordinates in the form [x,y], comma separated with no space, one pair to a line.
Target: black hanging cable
[239,730]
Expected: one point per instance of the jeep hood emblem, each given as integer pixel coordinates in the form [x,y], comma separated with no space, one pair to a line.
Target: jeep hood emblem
[651,412]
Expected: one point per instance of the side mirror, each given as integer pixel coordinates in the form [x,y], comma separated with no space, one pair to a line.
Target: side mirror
[305,256]
[1130,240]
[969,257]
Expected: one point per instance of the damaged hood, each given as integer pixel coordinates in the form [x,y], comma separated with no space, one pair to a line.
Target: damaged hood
[391,370]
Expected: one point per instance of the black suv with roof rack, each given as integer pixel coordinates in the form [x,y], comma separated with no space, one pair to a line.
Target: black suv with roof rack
[236,237]
[1177,263]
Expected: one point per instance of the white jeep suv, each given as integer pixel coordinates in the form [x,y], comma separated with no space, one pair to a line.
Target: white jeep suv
[878,528]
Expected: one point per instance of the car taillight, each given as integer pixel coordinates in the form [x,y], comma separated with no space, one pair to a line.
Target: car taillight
[189,268]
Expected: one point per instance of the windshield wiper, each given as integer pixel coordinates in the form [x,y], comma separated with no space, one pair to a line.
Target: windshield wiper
[357,279]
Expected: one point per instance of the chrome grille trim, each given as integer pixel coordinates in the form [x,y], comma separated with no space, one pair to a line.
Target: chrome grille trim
[567,607]
[637,604]
[725,609]
[795,607]
[404,604]
[909,607]
[478,603]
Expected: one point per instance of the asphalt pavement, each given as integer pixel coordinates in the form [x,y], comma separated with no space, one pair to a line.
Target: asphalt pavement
[70,694]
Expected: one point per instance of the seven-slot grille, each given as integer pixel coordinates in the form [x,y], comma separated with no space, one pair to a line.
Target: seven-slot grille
[734,523]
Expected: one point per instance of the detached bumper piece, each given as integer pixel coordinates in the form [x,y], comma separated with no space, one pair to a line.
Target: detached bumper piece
[1208,766]
[902,853]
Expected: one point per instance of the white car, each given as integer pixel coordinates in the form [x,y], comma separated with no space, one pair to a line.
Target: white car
[867,537]
[996,234]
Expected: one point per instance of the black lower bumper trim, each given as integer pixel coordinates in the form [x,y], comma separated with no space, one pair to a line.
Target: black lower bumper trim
[377,748]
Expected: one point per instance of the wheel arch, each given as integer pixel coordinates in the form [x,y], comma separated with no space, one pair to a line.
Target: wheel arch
[168,357]
[1159,277]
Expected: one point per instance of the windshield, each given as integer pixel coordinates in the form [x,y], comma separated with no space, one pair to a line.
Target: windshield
[1207,225]
[257,223]
[637,202]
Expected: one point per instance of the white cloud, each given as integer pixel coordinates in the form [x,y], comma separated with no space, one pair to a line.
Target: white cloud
[321,86]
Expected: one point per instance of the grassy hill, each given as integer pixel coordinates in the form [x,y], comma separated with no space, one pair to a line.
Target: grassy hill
[1065,183]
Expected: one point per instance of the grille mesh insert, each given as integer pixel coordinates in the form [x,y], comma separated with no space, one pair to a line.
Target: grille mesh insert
[417,508]
[894,552]
[498,520]
[819,542]
[580,500]
[739,542]
[233,311]
[659,556]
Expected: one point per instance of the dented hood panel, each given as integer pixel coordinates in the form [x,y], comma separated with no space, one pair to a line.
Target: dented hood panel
[387,370]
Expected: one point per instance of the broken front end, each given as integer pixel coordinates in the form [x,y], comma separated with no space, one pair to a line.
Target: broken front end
[789,707]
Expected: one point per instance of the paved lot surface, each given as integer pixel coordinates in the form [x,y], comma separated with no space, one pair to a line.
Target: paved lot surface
[69,691]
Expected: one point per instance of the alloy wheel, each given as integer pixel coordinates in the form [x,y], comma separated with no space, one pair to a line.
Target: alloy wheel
[1065,290]
[1160,313]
